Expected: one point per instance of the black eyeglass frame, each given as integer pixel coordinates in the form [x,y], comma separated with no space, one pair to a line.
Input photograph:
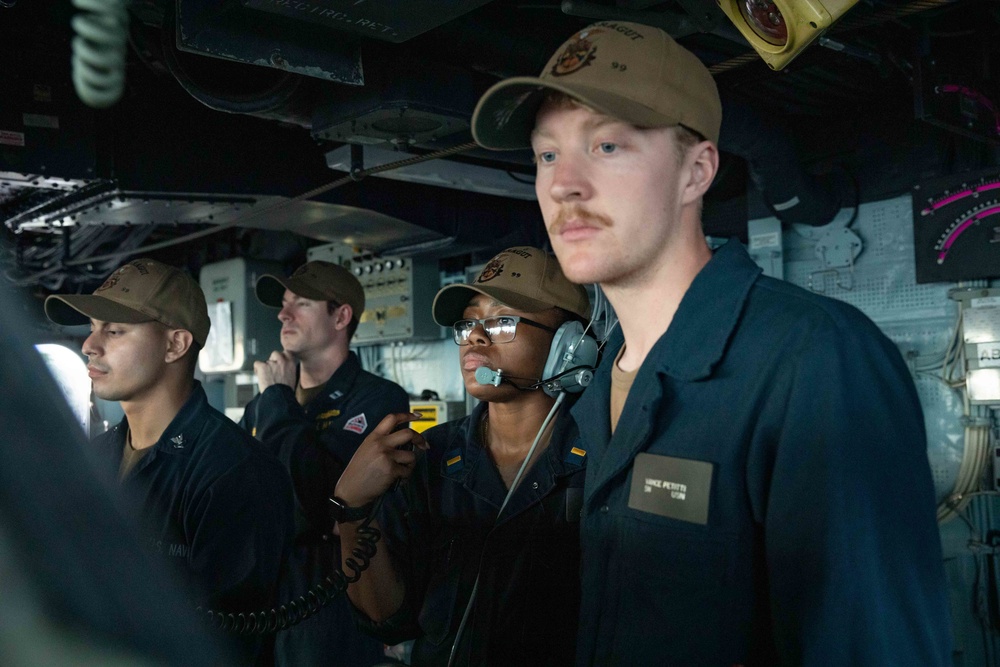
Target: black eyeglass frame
[460,340]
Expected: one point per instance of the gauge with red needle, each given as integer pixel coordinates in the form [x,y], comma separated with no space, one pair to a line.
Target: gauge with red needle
[956,228]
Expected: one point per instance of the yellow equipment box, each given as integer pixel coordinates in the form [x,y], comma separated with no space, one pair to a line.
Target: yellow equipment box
[435,412]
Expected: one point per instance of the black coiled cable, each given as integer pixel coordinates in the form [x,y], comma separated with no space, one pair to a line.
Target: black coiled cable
[272,620]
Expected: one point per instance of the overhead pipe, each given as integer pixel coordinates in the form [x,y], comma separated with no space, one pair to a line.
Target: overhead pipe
[773,163]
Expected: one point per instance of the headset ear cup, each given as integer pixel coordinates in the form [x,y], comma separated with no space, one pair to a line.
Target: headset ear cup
[569,349]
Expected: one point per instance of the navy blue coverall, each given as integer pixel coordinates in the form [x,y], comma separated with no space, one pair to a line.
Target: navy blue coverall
[441,531]
[212,503]
[315,443]
[766,497]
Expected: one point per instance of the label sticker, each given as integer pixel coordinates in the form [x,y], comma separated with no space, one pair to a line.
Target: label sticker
[40,120]
[985,302]
[671,487]
[765,240]
[988,355]
[8,138]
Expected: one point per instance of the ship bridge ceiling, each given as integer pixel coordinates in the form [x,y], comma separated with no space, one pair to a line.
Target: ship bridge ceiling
[259,127]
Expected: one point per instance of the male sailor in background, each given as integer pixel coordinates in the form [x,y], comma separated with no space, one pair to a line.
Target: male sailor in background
[315,407]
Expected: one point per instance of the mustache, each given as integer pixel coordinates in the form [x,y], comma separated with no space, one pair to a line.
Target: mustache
[577,212]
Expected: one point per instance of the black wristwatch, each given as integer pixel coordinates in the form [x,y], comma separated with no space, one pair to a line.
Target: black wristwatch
[341,512]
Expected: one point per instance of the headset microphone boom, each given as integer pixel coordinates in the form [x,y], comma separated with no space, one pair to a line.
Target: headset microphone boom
[569,366]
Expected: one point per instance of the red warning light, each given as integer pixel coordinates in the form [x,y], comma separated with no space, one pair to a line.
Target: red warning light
[765,19]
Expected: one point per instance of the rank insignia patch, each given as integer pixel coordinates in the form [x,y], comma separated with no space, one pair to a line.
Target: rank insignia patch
[357,424]
[453,461]
[575,456]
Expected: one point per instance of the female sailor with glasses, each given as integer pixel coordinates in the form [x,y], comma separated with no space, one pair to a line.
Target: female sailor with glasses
[479,563]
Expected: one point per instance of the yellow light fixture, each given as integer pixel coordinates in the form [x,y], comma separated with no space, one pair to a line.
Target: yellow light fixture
[781,29]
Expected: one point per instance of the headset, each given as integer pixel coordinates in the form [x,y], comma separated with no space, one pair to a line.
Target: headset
[571,361]
[568,368]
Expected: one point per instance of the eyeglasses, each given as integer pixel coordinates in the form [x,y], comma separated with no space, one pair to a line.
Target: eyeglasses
[499,329]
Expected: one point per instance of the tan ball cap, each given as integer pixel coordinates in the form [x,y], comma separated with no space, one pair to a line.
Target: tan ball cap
[628,71]
[143,290]
[319,281]
[524,278]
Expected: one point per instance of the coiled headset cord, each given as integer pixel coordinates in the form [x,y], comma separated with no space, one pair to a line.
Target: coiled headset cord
[99,49]
[272,620]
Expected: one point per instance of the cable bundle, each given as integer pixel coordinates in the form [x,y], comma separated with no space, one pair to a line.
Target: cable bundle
[949,368]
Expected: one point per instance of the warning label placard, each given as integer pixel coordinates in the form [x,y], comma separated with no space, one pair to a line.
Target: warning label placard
[8,138]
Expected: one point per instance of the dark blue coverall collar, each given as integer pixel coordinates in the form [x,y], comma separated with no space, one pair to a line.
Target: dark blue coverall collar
[180,436]
[688,351]
[706,318]
[479,476]
[342,380]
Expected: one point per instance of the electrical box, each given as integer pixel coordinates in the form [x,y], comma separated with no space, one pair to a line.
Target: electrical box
[766,247]
[239,389]
[243,329]
[981,337]
[399,292]
[435,412]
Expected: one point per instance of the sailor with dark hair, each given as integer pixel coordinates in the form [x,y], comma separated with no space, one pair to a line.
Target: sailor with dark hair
[213,503]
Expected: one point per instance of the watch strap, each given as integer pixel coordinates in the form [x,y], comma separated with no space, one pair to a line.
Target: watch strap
[341,512]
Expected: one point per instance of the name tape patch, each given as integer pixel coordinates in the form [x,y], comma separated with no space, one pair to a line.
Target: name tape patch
[672,487]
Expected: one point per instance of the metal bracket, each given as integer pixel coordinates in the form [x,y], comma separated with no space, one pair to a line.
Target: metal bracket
[838,248]
[230,31]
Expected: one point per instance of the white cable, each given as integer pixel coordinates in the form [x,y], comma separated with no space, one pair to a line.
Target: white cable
[531,452]
[976,449]
[601,310]
[99,51]
[948,508]
[395,363]
[975,458]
